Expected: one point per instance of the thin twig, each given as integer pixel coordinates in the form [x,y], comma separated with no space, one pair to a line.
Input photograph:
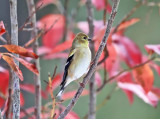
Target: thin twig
[42,32]
[73,16]
[30,17]
[14,40]
[121,72]
[92,85]
[28,115]
[95,61]
[106,99]
[128,15]
[66,2]
[34,33]
[116,28]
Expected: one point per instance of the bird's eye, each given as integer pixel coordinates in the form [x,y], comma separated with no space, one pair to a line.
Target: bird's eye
[85,37]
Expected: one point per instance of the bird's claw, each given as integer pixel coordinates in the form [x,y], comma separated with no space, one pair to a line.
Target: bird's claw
[81,84]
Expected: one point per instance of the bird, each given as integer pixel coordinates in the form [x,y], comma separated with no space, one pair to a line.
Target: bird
[78,62]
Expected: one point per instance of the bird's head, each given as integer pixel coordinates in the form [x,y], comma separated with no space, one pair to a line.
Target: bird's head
[81,40]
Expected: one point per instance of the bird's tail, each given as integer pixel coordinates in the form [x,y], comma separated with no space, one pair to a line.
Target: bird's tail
[60,93]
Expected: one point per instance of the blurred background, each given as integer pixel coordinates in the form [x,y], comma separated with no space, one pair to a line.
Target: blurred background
[147,31]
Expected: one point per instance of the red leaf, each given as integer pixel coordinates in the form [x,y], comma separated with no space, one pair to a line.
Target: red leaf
[127,78]
[112,62]
[83,26]
[156,91]
[56,55]
[52,37]
[101,5]
[128,23]
[21,99]
[2,28]
[13,66]
[31,88]
[153,49]
[28,65]
[20,50]
[69,95]
[127,50]
[144,76]
[4,82]
[152,64]
[61,47]
[98,79]
[149,98]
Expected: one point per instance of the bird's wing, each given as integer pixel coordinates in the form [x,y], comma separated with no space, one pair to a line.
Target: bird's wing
[68,62]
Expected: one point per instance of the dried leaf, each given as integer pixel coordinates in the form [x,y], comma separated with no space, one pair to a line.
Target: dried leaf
[20,50]
[54,35]
[13,66]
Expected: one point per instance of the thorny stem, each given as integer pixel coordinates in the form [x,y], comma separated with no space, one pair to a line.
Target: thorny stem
[92,85]
[14,77]
[121,72]
[34,33]
[95,61]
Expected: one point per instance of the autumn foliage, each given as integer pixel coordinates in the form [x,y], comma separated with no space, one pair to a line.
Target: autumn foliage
[135,78]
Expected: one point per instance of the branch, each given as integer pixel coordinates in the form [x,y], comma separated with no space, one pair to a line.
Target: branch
[121,72]
[14,77]
[95,61]
[32,14]
[34,33]
[92,85]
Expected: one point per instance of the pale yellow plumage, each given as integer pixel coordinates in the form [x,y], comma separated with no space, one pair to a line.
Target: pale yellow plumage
[78,61]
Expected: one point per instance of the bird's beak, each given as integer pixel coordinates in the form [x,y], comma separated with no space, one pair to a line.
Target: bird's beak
[89,39]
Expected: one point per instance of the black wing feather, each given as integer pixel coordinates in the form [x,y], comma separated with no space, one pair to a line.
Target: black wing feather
[68,62]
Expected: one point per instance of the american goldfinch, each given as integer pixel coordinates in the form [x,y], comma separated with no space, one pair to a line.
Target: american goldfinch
[78,61]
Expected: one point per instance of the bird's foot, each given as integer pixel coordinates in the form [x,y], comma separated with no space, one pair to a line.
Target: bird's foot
[91,62]
[81,84]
